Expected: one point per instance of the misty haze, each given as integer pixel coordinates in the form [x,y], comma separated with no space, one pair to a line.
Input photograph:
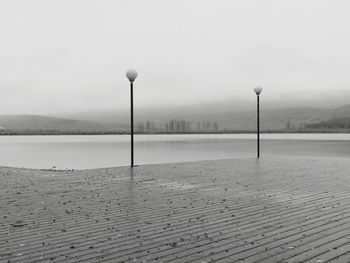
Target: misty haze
[174,131]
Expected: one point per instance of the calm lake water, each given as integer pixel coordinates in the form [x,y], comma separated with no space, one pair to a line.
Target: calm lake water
[84,151]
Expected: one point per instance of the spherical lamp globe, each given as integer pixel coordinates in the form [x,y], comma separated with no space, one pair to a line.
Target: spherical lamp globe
[131,74]
[258,90]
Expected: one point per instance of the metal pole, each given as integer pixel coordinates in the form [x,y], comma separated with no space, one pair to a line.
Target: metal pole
[258,127]
[132,123]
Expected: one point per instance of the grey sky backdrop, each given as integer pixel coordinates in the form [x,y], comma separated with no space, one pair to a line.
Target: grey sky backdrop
[70,55]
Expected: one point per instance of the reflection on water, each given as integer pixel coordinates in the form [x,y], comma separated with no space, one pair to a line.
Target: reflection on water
[79,152]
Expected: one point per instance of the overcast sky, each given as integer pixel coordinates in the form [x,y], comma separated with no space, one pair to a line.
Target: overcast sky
[70,55]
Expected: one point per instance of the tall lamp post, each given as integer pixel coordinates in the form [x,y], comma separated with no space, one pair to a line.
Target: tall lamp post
[131,74]
[258,90]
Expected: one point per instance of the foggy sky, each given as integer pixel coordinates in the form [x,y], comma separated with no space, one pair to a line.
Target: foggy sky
[71,55]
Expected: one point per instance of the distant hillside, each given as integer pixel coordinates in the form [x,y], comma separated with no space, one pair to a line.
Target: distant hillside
[338,121]
[225,118]
[276,119]
[184,119]
[281,119]
[343,111]
[42,124]
[331,124]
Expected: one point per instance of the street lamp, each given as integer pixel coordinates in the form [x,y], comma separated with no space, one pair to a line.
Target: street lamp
[258,90]
[131,74]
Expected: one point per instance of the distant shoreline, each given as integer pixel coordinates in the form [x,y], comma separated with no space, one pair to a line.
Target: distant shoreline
[35,133]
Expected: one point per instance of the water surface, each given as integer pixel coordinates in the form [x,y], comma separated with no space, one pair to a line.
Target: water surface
[95,151]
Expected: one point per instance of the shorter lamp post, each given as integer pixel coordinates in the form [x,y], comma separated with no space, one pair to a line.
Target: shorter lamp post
[258,90]
[131,75]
